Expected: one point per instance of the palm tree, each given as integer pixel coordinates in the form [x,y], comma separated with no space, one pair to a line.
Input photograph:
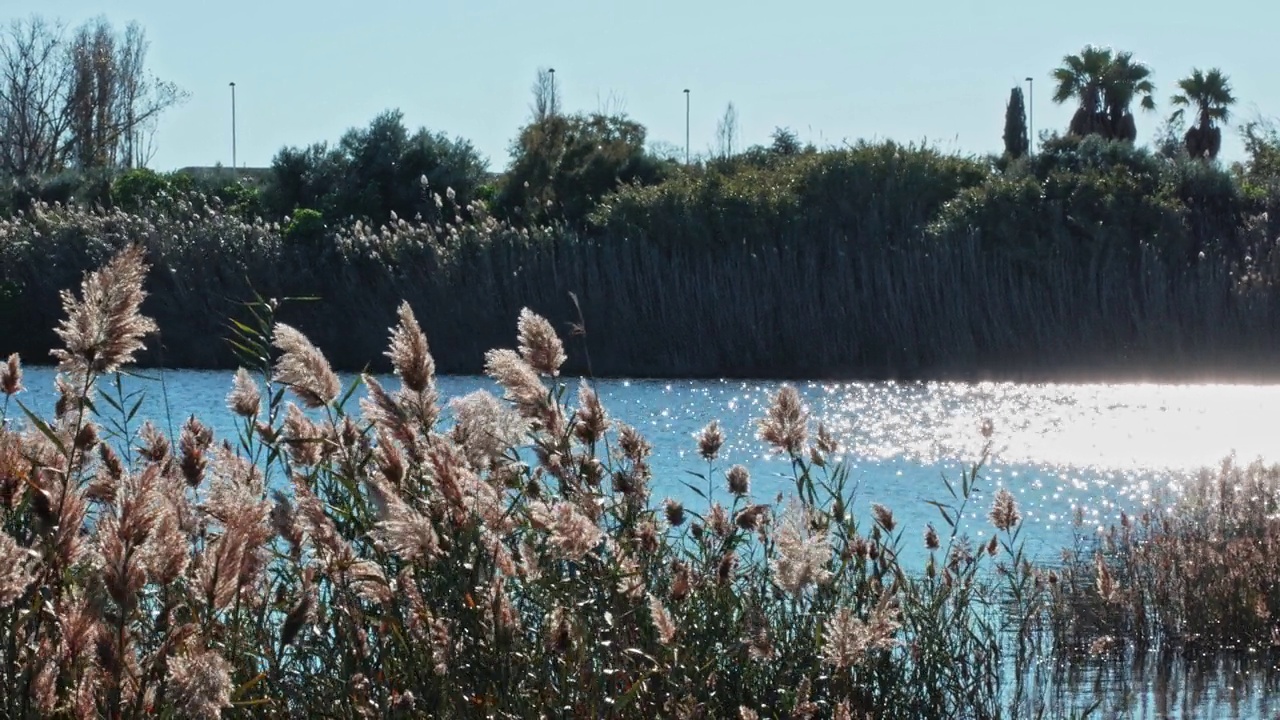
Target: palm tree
[1105,84]
[1126,80]
[1210,94]
[1082,77]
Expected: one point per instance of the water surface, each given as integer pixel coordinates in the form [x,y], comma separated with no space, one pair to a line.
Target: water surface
[1101,448]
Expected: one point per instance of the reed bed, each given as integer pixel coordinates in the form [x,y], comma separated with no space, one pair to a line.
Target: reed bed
[1171,612]
[954,310]
[338,561]
[511,564]
[1197,574]
[903,262]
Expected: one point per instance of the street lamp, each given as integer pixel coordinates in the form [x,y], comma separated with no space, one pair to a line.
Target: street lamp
[552,72]
[233,128]
[1031,116]
[686,126]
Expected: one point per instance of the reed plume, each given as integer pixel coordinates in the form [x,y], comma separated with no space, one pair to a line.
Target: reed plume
[485,428]
[571,534]
[409,353]
[710,440]
[194,444]
[739,480]
[520,381]
[200,682]
[785,425]
[662,621]
[104,328]
[303,368]
[16,565]
[244,399]
[849,638]
[306,440]
[11,376]
[884,517]
[802,555]
[591,420]
[1004,511]
[386,414]
[674,511]
[540,346]
[407,533]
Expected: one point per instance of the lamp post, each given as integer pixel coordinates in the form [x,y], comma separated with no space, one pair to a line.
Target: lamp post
[1031,116]
[552,72]
[233,128]
[686,126]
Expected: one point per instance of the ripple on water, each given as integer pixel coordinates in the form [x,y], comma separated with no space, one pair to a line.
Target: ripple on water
[1097,447]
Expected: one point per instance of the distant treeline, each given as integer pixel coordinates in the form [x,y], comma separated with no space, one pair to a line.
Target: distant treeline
[1082,253]
[872,261]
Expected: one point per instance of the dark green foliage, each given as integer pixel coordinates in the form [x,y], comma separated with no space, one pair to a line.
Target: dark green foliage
[10,291]
[1204,142]
[303,177]
[785,145]
[488,194]
[1169,140]
[1016,141]
[305,229]
[376,171]
[734,203]
[87,187]
[1210,96]
[869,193]
[1109,196]
[133,189]
[242,199]
[562,166]
[1262,145]
[1092,256]
[1105,84]
[785,142]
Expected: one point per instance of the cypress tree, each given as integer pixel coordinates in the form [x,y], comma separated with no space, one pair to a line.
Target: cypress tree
[1016,141]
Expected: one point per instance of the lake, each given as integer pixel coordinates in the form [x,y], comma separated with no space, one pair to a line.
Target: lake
[1101,448]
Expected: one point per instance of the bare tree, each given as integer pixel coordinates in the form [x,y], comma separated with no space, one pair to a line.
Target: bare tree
[113,100]
[134,87]
[664,150]
[546,95]
[727,132]
[610,105]
[87,102]
[34,82]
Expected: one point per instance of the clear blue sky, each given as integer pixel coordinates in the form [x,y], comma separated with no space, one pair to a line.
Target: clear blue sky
[832,70]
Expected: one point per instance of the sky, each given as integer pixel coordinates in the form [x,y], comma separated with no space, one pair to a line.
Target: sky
[936,71]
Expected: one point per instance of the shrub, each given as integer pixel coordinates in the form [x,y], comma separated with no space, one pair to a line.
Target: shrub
[133,189]
[563,166]
[306,228]
[869,194]
[375,172]
[88,188]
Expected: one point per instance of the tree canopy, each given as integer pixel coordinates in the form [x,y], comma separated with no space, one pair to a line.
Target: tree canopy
[1104,84]
[1209,95]
[377,170]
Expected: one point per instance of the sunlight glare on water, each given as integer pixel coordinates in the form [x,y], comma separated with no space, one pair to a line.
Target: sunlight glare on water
[1097,447]
[1058,447]
[1111,427]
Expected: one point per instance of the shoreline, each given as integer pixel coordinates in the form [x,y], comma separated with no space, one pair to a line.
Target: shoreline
[1234,374]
